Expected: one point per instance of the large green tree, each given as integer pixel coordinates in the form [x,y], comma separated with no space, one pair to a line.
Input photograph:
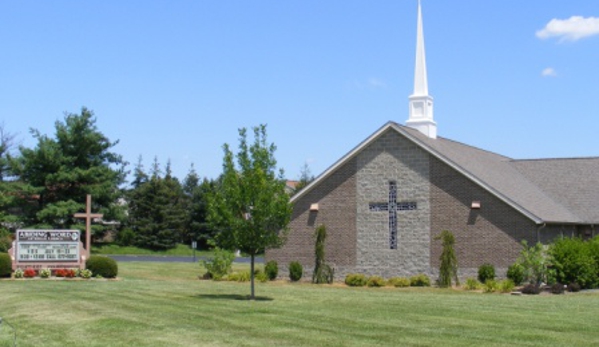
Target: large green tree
[196,193]
[156,209]
[62,169]
[249,208]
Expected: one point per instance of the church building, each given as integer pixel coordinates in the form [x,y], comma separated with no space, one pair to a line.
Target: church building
[386,200]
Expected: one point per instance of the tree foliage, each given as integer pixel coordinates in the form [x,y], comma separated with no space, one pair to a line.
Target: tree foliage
[157,209]
[448,269]
[63,169]
[249,208]
[196,192]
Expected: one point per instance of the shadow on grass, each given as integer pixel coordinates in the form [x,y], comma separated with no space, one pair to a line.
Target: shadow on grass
[232,297]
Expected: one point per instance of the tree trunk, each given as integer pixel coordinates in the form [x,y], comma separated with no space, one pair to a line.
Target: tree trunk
[252,297]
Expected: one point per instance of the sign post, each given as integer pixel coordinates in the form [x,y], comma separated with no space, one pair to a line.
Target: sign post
[194,245]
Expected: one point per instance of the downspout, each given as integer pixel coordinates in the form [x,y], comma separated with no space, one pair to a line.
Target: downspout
[539,231]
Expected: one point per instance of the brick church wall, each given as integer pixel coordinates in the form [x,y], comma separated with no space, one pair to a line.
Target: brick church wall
[393,158]
[491,234]
[336,197]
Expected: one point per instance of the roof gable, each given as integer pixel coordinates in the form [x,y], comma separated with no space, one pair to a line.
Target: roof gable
[505,178]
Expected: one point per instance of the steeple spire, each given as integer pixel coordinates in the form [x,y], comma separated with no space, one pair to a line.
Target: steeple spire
[421,104]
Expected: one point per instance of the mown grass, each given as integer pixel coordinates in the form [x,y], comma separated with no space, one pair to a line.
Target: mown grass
[159,304]
[180,250]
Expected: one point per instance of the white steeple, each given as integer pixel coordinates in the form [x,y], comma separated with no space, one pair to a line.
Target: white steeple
[421,104]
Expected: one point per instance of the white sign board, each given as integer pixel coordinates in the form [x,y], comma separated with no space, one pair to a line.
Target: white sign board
[47,246]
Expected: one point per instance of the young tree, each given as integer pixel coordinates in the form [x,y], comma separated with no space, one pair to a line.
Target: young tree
[449,263]
[250,209]
[305,178]
[63,169]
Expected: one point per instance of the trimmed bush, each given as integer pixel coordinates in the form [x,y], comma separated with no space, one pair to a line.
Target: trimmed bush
[420,280]
[295,271]
[375,281]
[5,265]
[573,287]
[515,272]
[472,284]
[573,261]
[272,270]
[558,288]
[486,272]
[102,266]
[531,289]
[399,282]
[355,280]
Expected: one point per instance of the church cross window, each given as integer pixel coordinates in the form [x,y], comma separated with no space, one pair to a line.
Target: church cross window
[392,206]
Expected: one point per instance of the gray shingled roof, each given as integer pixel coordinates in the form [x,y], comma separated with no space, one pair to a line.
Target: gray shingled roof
[545,190]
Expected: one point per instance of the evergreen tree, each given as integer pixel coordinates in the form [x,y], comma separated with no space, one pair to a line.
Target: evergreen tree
[63,169]
[305,178]
[156,210]
[449,263]
[196,192]
[250,208]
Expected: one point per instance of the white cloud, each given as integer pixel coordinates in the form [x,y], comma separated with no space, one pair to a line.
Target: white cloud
[549,72]
[376,83]
[572,29]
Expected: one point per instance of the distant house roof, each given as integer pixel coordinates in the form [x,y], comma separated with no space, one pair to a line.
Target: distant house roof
[544,190]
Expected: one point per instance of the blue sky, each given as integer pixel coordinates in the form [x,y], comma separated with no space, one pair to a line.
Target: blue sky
[176,79]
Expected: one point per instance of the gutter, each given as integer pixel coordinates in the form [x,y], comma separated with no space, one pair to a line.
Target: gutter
[542,226]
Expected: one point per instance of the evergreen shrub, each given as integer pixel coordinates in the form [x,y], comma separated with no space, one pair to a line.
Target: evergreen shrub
[515,272]
[5,265]
[375,281]
[272,270]
[558,288]
[420,280]
[295,271]
[323,273]
[531,289]
[573,287]
[399,282]
[448,269]
[355,280]
[102,266]
[486,272]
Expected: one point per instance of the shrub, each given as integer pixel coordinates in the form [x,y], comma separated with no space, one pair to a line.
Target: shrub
[557,288]
[375,281]
[448,269]
[262,277]
[573,261]
[531,289]
[486,272]
[220,264]
[102,266]
[323,273]
[18,273]
[506,286]
[45,273]
[272,270]
[243,276]
[399,282]
[515,272]
[472,284]
[86,273]
[573,287]
[355,280]
[125,237]
[29,273]
[490,286]
[5,243]
[420,280]
[295,271]
[5,265]
[533,260]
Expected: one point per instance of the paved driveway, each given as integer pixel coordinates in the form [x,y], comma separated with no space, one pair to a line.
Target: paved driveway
[169,259]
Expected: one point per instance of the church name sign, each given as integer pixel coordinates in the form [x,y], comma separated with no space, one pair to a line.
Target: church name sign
[48,246]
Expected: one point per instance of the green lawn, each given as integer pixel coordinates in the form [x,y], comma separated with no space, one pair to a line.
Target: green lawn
[180,250]
[159,304]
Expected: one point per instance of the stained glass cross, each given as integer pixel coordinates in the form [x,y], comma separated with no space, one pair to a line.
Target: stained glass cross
[392,206]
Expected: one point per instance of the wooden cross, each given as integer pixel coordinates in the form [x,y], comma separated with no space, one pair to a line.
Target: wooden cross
[393,206]
[88,215]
